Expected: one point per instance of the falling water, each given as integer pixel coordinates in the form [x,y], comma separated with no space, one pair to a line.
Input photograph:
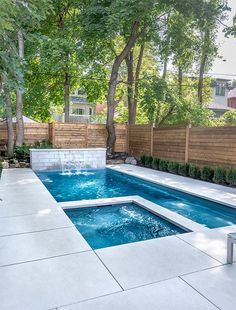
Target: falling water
[69,164]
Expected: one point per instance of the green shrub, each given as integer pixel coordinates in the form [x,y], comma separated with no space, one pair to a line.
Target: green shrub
[155,163]
[194,171]
[163,165]
[0,167]
[22,152]
[183,169]
[143,159]
[219,175]
[148,161]
[207,173]
[231,176]
[173,167]
[44,144]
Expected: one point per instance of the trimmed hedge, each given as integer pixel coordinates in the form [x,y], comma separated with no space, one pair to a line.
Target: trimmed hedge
[194,171]
[207,173]
[231,177]
[183,170]
[219,175]
[163,165]
[148,161]
[173,167]
[143,159]
[155,163]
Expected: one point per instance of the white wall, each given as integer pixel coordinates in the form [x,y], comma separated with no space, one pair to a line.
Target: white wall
[52,159]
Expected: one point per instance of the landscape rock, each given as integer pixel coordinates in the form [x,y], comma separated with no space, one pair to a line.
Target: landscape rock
[24,164]
[115,161]
[5,164]
[131,161]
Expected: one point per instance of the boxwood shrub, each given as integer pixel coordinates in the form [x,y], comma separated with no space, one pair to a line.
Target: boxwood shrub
[148,161]
[219,175]
[231,176]
[207,173]
[155,163]
[163,165]
[173,167]
[183,169]
[194,171]
[143,159]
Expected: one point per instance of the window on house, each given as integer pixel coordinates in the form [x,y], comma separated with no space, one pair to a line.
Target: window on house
[220,90]
[90,111]
[81,112]
[78,111]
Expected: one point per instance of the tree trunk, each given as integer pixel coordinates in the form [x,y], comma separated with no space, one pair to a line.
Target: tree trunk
[67,98]
[133,83]
[62,15]
[136,83]
[130,87]
[165,69]
[202,66]
[180,82]
[10,130]
[111,103]
[19,97]
[201,79]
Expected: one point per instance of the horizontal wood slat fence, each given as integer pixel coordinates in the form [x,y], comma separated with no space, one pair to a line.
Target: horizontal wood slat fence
[69,135]
[203,146]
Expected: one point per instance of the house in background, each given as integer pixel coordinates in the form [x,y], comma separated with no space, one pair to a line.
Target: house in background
[220,92]
[81,110]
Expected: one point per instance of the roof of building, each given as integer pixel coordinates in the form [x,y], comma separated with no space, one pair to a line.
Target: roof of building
[25,120]
[232,93]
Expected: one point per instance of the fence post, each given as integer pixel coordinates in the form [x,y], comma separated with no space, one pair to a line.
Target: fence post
[86,136]
[127,138]
[151,150]
[52,133]
[186,153]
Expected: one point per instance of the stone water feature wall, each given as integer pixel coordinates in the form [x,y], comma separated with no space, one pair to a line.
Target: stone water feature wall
[57,159]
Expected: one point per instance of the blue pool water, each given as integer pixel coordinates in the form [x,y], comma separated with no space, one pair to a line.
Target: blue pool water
[118,224]
[106,183]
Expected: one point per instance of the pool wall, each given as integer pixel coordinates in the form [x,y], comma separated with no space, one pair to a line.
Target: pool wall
[51,159]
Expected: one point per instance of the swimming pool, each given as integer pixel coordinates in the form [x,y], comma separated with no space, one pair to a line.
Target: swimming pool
[106,183]
[119,224]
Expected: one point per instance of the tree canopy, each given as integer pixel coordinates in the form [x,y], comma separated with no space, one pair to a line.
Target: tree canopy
[146,60]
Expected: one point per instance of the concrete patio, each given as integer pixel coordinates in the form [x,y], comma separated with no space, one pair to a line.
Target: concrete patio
[45,263]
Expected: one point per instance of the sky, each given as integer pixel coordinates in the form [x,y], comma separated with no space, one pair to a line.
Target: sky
[227,49]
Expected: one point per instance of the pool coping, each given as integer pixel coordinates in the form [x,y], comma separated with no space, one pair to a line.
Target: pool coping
[170,216]
[180,183]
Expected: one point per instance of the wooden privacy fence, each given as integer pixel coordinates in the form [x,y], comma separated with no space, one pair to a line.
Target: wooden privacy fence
[68,135]
[34,132]
[203,146]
